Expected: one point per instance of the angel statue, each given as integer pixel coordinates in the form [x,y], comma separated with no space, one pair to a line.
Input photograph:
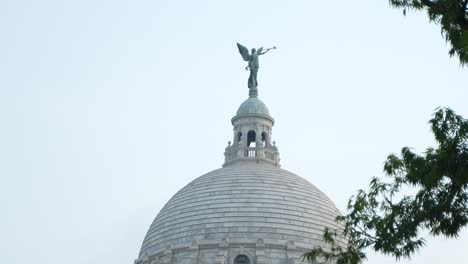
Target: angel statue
[253,66]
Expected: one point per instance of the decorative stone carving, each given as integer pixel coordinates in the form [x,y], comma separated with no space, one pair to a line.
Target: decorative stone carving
[193,255]
[222,252]
[292,253]
[260,251]
[166,257]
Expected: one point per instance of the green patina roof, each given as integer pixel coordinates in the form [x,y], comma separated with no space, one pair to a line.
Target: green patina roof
[253,105]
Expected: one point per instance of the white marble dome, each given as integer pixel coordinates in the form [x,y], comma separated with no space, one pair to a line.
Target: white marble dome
[248,212]
[243,204]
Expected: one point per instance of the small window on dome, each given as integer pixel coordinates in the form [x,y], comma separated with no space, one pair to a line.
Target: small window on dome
[241,259]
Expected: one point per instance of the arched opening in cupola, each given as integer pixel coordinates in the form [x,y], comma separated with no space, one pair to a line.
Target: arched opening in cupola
[264,139]
[251,138]
[239,137]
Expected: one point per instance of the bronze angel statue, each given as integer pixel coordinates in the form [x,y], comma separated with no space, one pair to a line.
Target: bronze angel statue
[253,66]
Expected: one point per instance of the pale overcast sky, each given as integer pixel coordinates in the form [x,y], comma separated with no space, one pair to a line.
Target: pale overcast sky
[108,108]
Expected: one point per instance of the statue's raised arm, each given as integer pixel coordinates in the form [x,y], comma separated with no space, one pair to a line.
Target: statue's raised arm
[253,66]
[261,52]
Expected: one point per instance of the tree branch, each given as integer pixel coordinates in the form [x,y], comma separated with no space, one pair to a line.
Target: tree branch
[429,3]
[435,5]
[366,234]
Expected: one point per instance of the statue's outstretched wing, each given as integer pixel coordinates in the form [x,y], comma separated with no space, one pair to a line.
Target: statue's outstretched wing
[244,52]
[260,50]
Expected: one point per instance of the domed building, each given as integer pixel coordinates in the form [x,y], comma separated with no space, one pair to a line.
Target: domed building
[250,211]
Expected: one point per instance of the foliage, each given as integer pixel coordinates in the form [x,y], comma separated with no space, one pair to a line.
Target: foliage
[452,15]
[390,222]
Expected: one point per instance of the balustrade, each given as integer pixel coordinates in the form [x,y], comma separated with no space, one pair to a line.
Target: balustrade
[258,153]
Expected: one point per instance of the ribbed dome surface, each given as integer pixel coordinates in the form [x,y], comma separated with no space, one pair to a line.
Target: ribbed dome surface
[253,105]
[243,201]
